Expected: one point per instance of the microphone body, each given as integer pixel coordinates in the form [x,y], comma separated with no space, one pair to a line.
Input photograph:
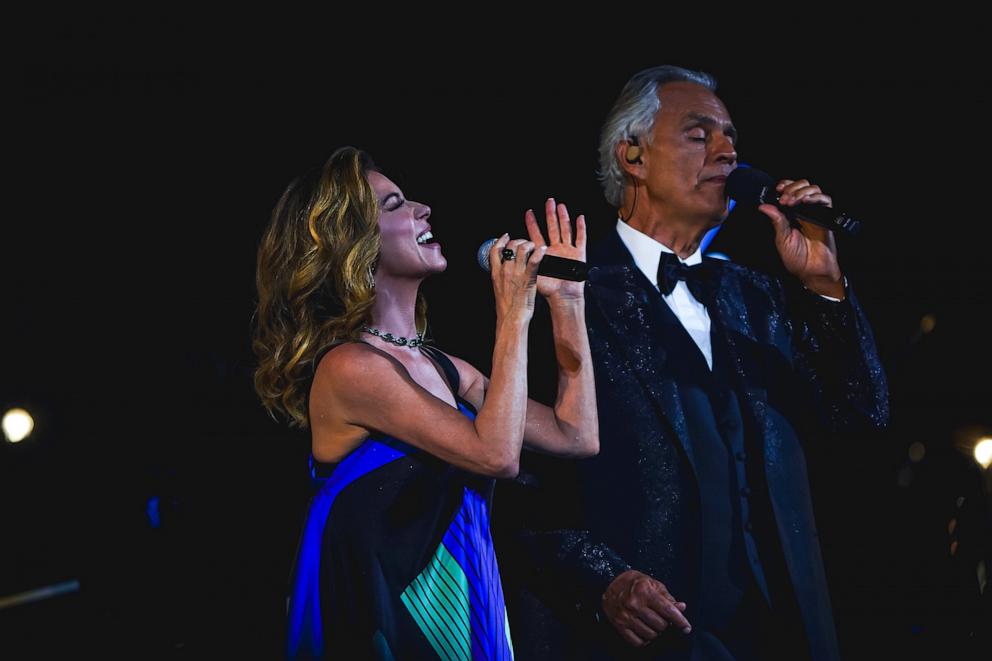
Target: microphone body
[551,266]
[747,185]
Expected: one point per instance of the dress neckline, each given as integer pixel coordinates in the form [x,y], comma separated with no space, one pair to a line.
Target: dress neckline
[433,355]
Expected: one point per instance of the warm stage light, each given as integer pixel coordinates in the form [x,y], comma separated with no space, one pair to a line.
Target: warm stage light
[17,425]
[916,452]
[983,452]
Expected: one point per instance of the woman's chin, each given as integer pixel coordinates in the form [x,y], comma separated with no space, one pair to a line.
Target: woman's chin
[441,264]
[434,264]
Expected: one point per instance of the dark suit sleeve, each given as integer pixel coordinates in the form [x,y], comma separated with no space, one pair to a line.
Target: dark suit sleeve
[571,569]
[835,352]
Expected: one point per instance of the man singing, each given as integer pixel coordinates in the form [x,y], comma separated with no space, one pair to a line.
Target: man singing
[698,539]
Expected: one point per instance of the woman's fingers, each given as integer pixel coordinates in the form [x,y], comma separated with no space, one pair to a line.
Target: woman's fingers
[551,218]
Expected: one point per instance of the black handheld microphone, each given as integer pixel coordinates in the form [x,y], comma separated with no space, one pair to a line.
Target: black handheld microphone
[551,266]
[746,185]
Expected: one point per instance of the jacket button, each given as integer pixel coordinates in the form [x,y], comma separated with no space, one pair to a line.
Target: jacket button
[748,527]
[741,455]
[746,492]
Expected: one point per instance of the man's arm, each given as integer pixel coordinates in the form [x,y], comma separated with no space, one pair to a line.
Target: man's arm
[835,353]
[833,343]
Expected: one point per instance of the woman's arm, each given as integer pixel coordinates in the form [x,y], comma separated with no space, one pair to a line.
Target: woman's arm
[571,428]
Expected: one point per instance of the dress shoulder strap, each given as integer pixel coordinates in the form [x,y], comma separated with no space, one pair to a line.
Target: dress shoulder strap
[450,371]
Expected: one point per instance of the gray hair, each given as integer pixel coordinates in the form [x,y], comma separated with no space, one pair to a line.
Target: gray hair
[633,114]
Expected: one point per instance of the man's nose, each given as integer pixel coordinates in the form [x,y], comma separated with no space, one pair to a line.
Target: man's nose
[724,151]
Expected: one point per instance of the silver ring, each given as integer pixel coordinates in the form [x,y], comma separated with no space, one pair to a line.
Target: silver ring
[506,255]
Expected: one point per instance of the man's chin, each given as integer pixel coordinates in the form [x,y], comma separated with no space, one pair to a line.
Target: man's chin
[718,218]
[715,209]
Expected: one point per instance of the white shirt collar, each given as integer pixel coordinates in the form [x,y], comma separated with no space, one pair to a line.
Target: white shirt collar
[647,252]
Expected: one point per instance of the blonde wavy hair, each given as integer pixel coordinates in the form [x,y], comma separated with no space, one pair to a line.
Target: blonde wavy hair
[314,278]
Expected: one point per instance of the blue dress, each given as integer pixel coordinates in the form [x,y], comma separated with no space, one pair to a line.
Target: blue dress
[396,560]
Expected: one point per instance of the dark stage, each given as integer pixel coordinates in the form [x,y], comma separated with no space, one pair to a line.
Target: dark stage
[148,153]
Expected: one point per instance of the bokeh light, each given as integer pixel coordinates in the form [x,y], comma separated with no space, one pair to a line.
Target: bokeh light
[17,425]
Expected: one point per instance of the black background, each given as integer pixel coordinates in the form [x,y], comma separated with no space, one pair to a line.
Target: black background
[148,151]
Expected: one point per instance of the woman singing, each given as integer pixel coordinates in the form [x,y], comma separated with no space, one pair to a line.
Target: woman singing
[396,558]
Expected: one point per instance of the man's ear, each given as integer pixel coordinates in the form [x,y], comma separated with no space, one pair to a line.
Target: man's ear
[628,155]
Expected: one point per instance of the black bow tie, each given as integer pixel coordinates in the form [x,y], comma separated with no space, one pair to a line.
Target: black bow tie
[700,278]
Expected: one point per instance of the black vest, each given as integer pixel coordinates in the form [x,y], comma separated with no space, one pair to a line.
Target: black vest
[721,447]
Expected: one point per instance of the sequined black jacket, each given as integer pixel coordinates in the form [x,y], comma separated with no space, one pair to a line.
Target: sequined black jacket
[805,364]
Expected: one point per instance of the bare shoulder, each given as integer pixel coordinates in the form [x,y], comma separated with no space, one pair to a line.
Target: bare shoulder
[343,380]
[352,359]
[351,363]
[348,379]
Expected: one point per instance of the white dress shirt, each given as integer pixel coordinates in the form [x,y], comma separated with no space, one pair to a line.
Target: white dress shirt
[690,312]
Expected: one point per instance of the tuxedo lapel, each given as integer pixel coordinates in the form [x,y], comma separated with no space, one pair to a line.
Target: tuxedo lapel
[731,319]
[622,295]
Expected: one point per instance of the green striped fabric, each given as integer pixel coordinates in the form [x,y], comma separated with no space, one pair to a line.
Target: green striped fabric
[438,600]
